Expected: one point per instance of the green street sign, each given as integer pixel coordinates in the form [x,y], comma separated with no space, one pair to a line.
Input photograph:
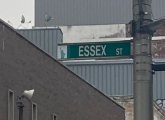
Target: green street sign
[95,50]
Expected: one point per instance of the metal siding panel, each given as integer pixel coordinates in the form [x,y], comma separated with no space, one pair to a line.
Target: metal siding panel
[155,86]
[87,73]
[105,79]
[74,68]
[80,12]
[130,79]
[108,80]
[99,78]
[59,39]
[158,8]
[156,82]
[55,42]
[46,42]
[50,43]
[121,76]
[32,36]
[125,80]
[117,78]
[113,80]
[95,75]
[163,83]
[46,39]
[83,72]
[100,81]
[37,39]
[119,82]
[42,39]
[91,75]
[117,88]
[85,12]
[79,71]
[36,10]
[25,34]
[159,85]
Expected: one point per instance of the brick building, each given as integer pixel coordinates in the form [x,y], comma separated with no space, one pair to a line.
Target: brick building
[128,103]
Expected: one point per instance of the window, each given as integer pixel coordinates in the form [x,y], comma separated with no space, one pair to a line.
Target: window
[34,111]
[10,105]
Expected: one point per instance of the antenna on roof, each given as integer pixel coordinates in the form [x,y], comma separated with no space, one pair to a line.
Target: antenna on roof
[23,21]
[48,18]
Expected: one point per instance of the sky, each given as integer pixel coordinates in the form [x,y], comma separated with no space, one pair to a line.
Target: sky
[12,10]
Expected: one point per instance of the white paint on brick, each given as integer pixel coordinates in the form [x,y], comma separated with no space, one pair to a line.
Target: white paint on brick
[92,33]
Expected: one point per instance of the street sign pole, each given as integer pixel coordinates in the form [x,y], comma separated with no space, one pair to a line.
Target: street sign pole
[143,82]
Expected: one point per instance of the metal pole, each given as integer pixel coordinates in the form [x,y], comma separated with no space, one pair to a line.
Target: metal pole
[143,83]
[20,106]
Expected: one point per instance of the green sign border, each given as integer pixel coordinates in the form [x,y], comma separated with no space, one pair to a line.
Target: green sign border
[113,44]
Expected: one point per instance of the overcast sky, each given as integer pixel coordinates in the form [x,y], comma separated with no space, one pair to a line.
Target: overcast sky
[12,10]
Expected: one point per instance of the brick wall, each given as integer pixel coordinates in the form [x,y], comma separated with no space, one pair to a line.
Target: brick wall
[128,103]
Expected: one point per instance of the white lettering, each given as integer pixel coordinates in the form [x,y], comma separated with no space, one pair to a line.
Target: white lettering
[92,49]
[103,50]
[86,50]
[81,51]
[119,51]
[98,50]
